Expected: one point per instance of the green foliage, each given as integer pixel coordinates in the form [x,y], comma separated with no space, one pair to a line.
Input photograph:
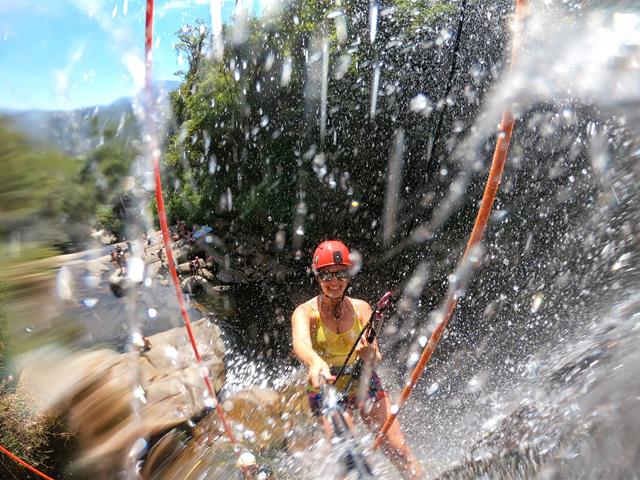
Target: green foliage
[108,218]
[48,197]
[264,208]
[248,127]
[186,206]
[21,434]
[32,185]
[103,194]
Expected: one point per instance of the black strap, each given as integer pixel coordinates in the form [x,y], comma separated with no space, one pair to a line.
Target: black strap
[447,89]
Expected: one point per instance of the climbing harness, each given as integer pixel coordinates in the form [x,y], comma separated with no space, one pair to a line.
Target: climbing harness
[491,189]
[162,217]
[343,440]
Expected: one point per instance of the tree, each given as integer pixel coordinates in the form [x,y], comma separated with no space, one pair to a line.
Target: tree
[259,141]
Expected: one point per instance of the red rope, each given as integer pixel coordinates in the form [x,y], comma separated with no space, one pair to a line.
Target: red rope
[23,463]
[491,188]
[162,217]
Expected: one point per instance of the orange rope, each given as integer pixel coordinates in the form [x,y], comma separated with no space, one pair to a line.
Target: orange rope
[23,463]
[491,188]
[162,217]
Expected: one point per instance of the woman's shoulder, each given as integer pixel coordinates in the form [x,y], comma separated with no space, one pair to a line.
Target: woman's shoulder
[362,308]
[307,308]
[359,304]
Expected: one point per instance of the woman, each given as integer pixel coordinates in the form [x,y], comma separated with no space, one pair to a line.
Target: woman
[323,331]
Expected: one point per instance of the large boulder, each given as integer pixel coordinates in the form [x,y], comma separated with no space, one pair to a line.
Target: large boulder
[112,400]
[262,419]
[194,284]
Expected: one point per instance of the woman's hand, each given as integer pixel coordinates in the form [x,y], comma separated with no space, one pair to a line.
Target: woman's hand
[319,370]
[365,350]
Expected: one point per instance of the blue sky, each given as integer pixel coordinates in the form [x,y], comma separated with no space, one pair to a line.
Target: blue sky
[65,54]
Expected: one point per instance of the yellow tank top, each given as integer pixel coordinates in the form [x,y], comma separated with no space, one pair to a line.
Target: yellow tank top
[333,347]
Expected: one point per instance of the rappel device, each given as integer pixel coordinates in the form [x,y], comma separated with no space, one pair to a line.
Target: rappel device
[342,437]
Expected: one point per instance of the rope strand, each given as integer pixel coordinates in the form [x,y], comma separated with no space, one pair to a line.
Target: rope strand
[23,463]
[162,217]
[491,189]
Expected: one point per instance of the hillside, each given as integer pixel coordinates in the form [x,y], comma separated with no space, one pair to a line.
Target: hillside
[75,132]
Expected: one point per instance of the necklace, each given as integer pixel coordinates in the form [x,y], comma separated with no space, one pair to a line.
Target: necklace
[337,309]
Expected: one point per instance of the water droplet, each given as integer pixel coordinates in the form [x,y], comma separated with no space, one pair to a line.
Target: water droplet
[286,71]
[63,284]
[421,104]
[373,21]
[477,382]
[90,302]
[135,269]
[139,393]
[537,302]
[139,446]
[137,339]
[171,352]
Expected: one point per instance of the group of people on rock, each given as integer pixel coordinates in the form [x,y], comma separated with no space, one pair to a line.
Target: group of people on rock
[118,259]
[185,232]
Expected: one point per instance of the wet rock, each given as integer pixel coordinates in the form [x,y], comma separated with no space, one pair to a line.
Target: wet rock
[214,262]
[183,267]
[112,400]
[182,253]
[194,284]
[268,419]
[103,236]
[96,267]
[245,250]
[230,275]
[279,272]
[272,415]
[156,269]
[206,274]
[120,283]
[259,259]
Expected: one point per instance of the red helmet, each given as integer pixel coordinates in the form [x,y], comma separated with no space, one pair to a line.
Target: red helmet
[330,252]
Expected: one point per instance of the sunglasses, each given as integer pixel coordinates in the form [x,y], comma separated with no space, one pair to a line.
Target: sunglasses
[340,275]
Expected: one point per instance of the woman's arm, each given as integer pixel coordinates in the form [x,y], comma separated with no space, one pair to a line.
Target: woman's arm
[303,349]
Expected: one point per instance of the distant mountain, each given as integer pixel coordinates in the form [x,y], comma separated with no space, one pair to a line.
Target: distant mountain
[75,132]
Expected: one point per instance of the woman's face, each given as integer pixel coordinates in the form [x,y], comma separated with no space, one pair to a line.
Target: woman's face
[333,280]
